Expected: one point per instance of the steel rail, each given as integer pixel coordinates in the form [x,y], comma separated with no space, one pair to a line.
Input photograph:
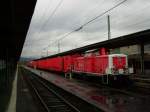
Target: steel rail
[64,102]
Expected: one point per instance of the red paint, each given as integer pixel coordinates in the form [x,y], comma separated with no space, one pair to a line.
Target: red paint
[68,63]
[79,64]
[100,64]
[91,63]
[55,64]
[119,62]
[102,51]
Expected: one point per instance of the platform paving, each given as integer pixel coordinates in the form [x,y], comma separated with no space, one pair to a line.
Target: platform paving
[103,98]
[12,103]
[21,99]
[25,101]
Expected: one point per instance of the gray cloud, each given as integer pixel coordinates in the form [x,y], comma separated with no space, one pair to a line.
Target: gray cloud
[130,17]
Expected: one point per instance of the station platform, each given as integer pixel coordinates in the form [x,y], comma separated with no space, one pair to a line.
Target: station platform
[104,98]
[141,81]
[21,99]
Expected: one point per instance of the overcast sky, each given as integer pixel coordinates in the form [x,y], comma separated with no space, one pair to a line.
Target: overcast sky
[48,25]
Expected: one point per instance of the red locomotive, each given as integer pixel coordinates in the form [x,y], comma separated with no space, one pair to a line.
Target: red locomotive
[96,64]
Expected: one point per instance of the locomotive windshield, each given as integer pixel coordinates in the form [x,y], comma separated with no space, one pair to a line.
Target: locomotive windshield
[119,62]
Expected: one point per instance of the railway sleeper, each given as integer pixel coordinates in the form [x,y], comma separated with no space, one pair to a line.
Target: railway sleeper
[56,106]
[61,109]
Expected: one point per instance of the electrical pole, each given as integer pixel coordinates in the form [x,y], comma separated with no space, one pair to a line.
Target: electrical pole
[108,23]
[47,52]
[58,47]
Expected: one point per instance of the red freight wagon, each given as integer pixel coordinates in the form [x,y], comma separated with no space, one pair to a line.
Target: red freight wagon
[46,64]
[79,64]
[33,64]
[55,64]
[75,64]
[68,63]
[36,64]
[30,64]
[89,64]
[100,64]
[49,64]
[41,64]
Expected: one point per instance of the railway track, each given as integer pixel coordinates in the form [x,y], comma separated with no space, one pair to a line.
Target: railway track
[51,100]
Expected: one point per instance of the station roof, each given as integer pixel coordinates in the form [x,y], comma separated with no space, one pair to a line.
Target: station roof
[15,20]
[126,40]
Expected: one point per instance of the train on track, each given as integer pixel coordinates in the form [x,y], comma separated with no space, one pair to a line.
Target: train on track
[100,63]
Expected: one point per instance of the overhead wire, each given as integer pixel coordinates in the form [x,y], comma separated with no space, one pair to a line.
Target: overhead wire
[79,28]
[44,14]
[103,13]
[91,9]
[136,13]
[130,23]
[50,16]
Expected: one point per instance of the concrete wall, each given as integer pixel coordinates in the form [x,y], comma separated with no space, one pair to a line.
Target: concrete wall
[130,50]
